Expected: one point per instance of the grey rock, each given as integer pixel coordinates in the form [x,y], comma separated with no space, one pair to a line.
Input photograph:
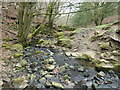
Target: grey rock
[58,85]
[81,69]
[89,84]
[49,67]
[101,73]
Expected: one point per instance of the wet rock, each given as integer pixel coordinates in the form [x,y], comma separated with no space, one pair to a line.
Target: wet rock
[1,83]
[104,67]
[18,65]
[23,63]
[58,85]
[39,85]
[32,76]
[66,77]
[18,80]
[70,85]
[81,69]
[37,52]
[94,85]
[36,69]
[51,60]
[89,84]
[48,61]
[17,47]
[33,64]
[42,80]
[105,45]
[23,85]
[17,55]
[50,67]
[49,76]
[115,53]
[71,67]
[47,84]
[111,72]
[43,72]
[28,54]
[102,74]
[45,62]
[62,68]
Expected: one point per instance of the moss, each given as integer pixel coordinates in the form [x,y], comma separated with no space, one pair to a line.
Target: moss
[5,59]
[21,69]
[57,85]
[72,37]
[117,67]
[103,67]
[37,52]
[115,53]
[23,63]
[64,43]
[85,57]
[17,55]
[45,61]
[66,77]
[60,33]
[104,46]
[6,46]
[18,80]
[17,47]
[40,41]
[96,37]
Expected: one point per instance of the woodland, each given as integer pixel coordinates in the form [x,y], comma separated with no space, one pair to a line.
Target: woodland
[60,45]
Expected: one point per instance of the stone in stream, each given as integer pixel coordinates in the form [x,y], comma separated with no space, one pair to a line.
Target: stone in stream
[49,67]
[94,85]
[70,85]
[39,85]
[49,76]
[47,84]
[81,69]
[42,80]
[62,68]
[101,73]
[42,72]
[89,84]
[51,60]
[66,77]
[23,85]
[57,85]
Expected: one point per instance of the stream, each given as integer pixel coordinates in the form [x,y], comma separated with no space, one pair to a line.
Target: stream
[54,69]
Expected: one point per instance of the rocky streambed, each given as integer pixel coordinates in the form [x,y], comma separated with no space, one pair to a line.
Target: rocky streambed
[48,68]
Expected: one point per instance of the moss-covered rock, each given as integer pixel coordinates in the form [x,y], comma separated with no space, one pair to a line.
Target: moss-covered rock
[6,46]
[49,67]
[64,43]
[104,67]
[17,47]
[17,55]
[23,62]
[96,36]
[37,52]
[104,46]
[18,80]
[117,67]
[40,41]
[85,57]
[115,53]
[66,77]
